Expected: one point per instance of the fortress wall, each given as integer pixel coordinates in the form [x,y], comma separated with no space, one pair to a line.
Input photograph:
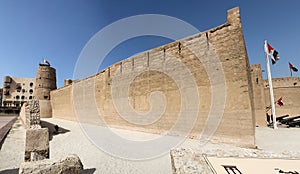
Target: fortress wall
[258,95]
[62,105]
[125,89]
[289,89]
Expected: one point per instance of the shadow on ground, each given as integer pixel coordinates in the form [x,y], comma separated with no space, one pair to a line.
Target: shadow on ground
[51,128]
[16,171]
[89,171]
[10,171]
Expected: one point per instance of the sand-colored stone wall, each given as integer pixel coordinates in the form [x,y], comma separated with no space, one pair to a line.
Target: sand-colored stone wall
[62,105]
[168,70]
[258,95]
[289,89]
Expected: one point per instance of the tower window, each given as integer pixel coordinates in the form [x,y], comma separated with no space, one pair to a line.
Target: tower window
[31,84]
[45,97]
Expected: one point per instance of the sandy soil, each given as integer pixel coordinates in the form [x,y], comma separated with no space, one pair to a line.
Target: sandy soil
[73,140]
[281,143]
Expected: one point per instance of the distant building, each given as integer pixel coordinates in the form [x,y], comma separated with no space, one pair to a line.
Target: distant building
[1,92]
[16,91]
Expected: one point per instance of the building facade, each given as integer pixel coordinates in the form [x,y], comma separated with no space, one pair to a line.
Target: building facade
[17,90]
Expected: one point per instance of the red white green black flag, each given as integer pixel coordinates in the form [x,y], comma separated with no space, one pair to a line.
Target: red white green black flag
[271,52]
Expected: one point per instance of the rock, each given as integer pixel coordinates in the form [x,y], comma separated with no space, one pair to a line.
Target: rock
[70,164]
[36,144]
[35,156]
[188,161]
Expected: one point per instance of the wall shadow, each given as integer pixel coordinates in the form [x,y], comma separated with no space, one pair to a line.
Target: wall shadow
[89,171]
[16,171]
[52,130]
[10,171]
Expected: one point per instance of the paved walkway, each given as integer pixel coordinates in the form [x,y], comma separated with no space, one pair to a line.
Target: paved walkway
[5,124]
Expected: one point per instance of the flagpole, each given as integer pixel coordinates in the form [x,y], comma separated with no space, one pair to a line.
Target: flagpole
[271,90]
[291,72]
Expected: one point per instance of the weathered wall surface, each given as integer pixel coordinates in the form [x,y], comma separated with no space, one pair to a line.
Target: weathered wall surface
[162,70]
[62,105]
[258,95]
[289,89]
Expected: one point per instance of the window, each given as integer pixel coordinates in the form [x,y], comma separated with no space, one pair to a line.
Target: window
[23,91]
[31,84]
[45,97]
[23,97]
[30,97]
[6,92]
[18,86]
[17,97]
[30,91]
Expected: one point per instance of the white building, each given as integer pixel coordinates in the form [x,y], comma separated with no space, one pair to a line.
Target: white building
[16,91]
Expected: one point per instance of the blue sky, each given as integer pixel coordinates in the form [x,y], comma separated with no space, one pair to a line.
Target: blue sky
[58,30]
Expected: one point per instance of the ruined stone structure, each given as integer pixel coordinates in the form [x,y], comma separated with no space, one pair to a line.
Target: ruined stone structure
[70,164]
[162,70]
[45,82]
[32,114]
[36,144]
[37,138]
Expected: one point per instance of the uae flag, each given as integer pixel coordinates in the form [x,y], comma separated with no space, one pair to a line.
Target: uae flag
[293,68]
[271,52]
[280,102]
[46,62]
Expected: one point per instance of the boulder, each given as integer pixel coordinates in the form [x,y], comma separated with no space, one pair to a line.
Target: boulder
[70,164]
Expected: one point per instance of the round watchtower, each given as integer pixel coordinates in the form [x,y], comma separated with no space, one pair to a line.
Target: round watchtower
[45,82]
